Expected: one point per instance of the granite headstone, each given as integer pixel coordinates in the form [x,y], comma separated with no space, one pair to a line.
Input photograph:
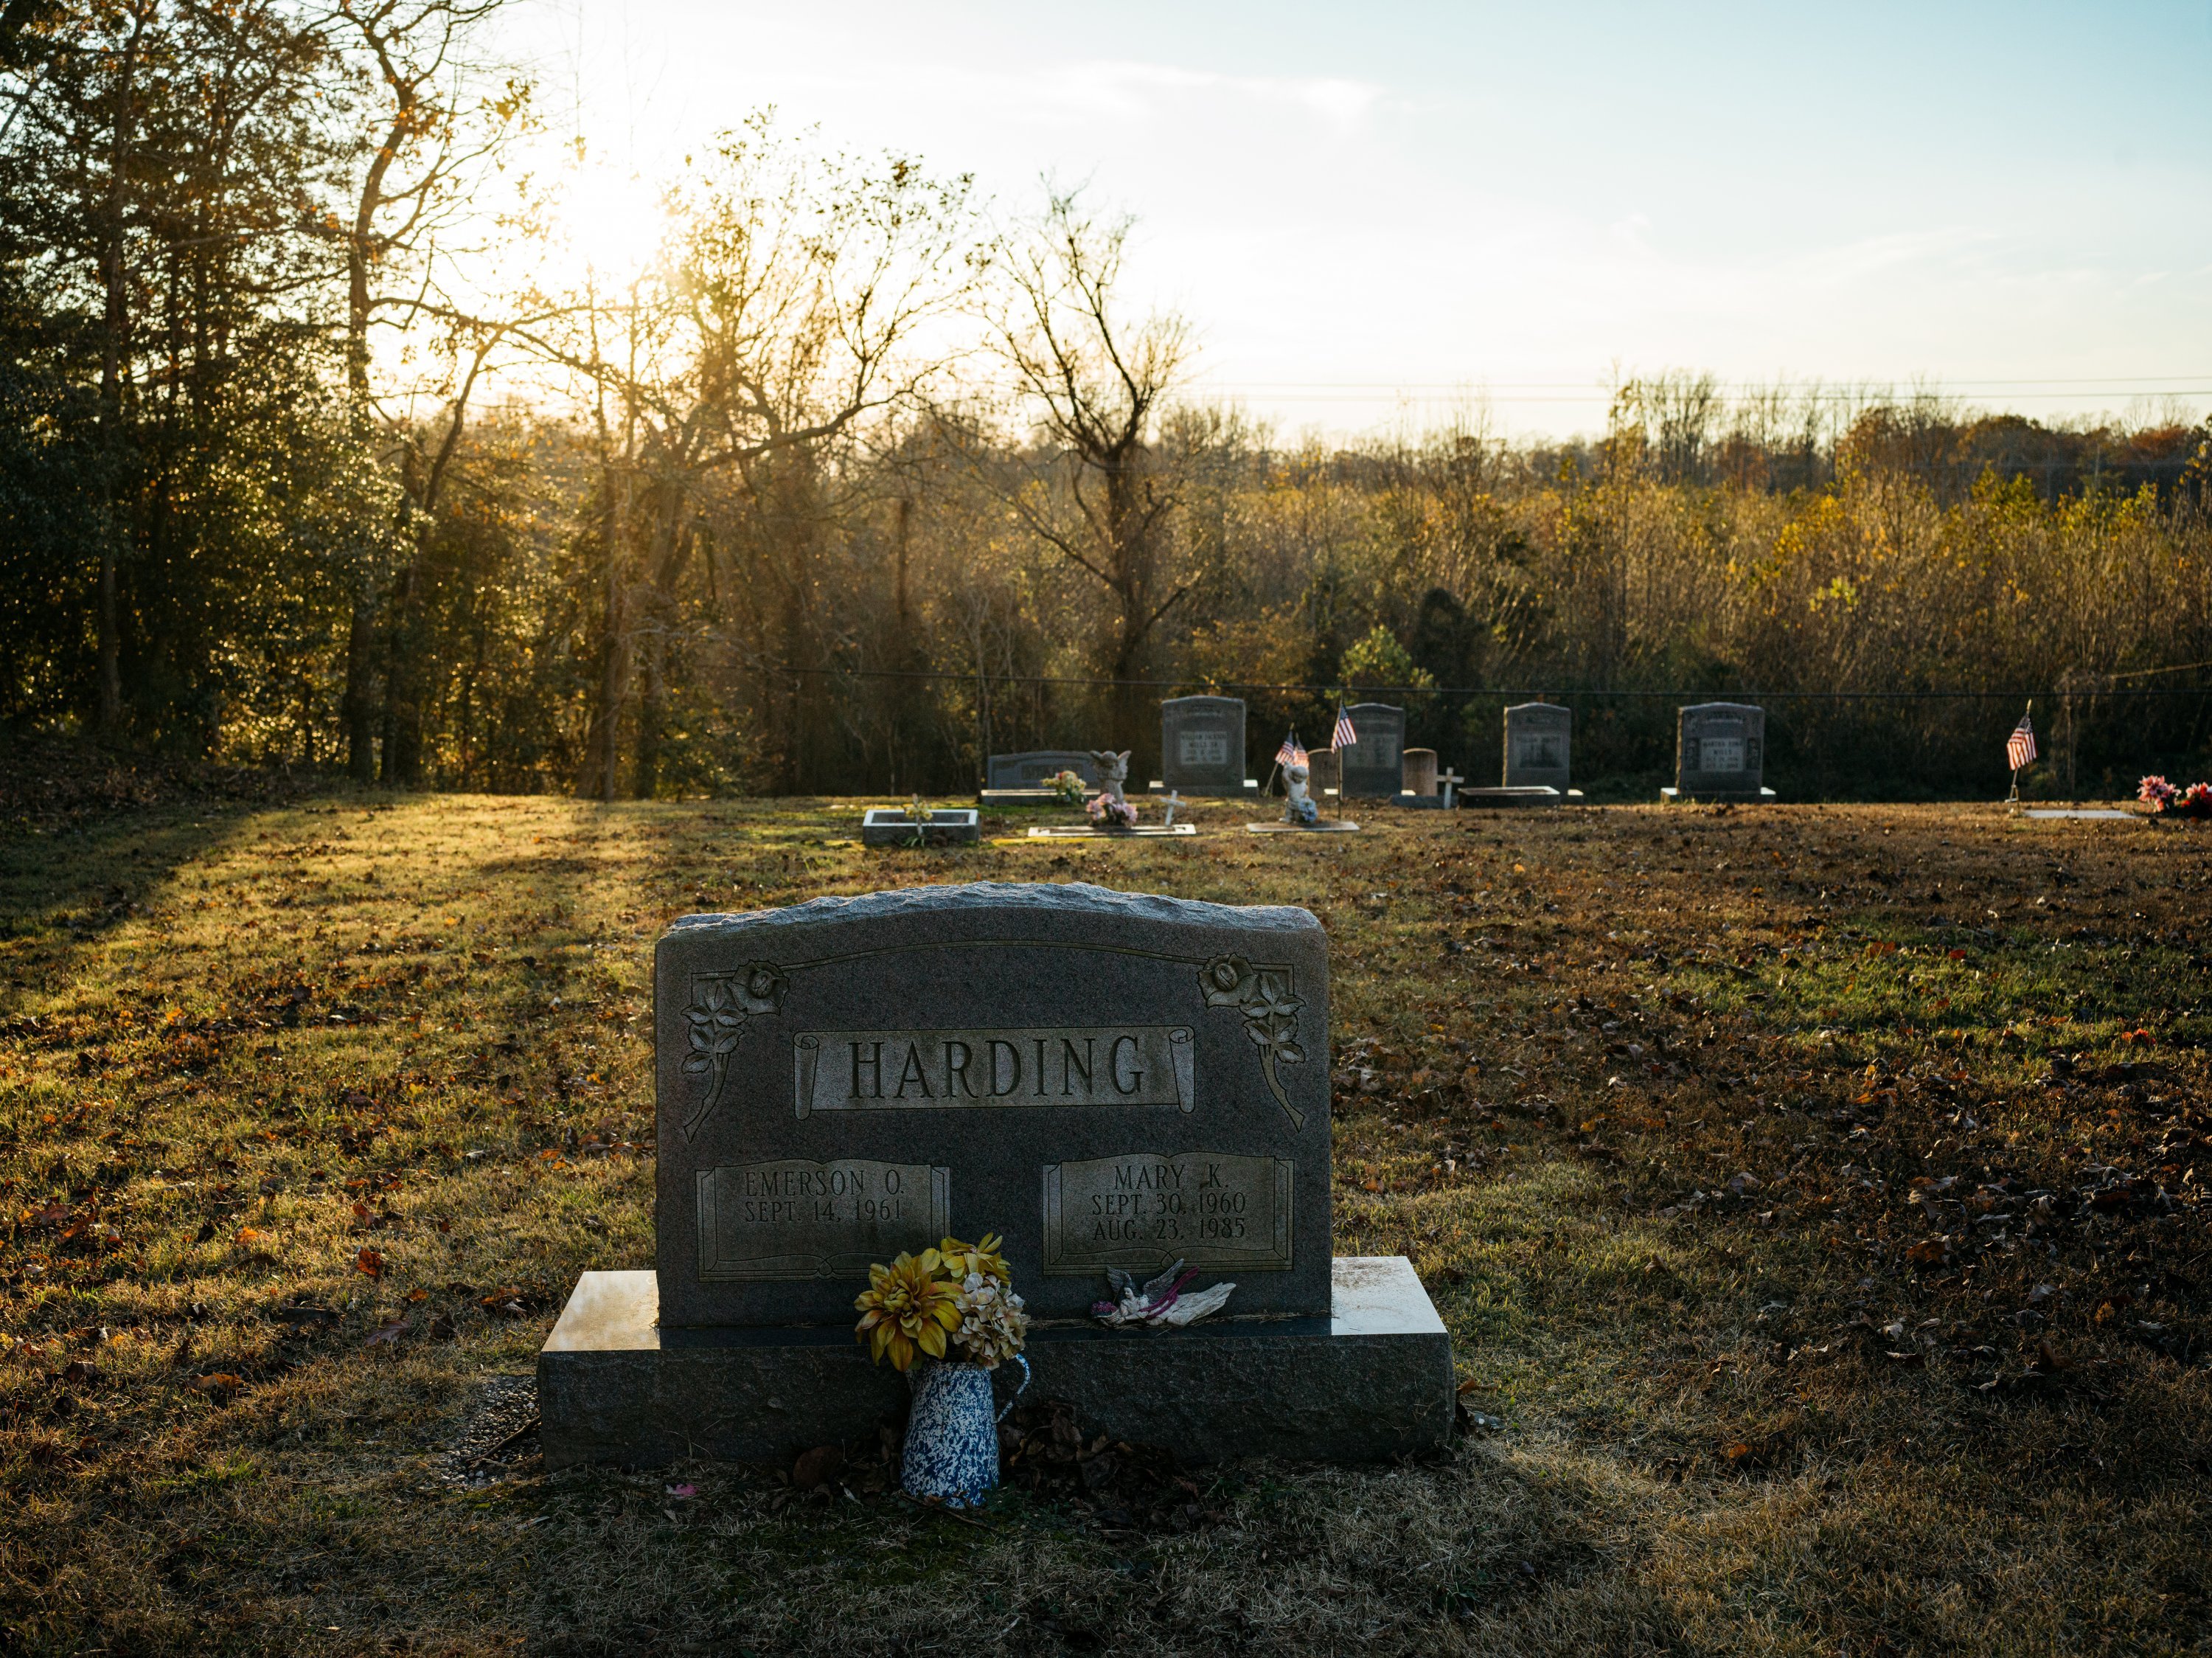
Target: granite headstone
[1539,745]
[1104,1079]
[1038,767]
[1202,745]
[1720,749]
[1421,772]
[1374,767]
[1327,769]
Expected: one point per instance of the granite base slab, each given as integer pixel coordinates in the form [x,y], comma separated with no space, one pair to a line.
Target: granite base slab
[1710,795]
[1142,831]
[1325,826]
[1516,796]
[1370,1382]
[890,825]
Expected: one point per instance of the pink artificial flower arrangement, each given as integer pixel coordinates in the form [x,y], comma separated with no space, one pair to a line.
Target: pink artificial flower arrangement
[2159,795]
[1110,812]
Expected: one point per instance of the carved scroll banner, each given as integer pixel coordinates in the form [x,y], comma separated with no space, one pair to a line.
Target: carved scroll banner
[920,1070]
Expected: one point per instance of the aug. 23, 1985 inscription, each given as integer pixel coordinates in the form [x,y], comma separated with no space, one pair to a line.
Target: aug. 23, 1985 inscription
[794,1219]
[1143,1209]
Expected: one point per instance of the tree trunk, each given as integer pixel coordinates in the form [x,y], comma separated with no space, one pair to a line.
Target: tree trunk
[114,358]
[652,692]
[358,709]
[403,695]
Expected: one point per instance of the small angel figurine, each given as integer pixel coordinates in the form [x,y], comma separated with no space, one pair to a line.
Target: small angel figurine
[1298,806]
[1112,771]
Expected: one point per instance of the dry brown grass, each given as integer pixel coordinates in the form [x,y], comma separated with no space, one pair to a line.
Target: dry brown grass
[1831,1411]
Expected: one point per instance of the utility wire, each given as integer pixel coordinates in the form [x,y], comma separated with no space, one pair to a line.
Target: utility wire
[1536,694]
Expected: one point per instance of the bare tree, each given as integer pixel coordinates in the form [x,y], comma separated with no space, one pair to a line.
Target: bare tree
[436,111]
[781,320]
[1095,385]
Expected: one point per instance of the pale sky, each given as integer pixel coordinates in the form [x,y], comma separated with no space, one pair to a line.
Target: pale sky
[1373,214]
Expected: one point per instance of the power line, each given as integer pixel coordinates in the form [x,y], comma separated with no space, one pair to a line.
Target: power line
[1532,694]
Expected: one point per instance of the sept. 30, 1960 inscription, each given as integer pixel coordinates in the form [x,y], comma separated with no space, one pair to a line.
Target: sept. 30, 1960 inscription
[794,1219]
[1143,1209]
[915,1070]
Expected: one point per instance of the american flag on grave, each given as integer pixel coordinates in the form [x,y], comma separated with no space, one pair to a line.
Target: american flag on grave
[2020,748]
[1344,736]
[1290,754]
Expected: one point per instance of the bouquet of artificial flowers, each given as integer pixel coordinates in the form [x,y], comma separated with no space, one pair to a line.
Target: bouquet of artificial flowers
[1111,812]
[2159,795]
[1068,786]
[955,1302]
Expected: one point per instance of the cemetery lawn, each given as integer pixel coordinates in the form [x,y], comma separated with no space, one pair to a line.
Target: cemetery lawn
[1815,1197]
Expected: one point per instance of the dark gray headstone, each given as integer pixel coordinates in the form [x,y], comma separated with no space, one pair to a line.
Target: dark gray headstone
[1105,1079]
[1327,772]
[1039,767]
[1202,745]
[1539,745]
[1720,748]
[1375,764]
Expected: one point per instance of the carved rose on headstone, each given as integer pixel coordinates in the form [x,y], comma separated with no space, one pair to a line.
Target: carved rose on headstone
[1271,1014]
[716,1020]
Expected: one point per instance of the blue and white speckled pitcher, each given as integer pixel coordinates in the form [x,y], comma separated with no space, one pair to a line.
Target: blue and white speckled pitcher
[952,1433]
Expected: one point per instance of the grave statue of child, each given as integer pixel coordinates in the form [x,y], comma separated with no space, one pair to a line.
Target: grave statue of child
[1298,806]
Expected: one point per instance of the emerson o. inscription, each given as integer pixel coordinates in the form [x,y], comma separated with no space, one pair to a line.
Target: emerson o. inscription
[1143,1209]
[794,1219]
[912,1071]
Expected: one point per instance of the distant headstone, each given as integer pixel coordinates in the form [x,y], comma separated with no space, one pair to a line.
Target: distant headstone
[1327,768]
[1421,771]
[1720,750]
[1375,765]
[1539,742]
[1106,1079]
[1202,745]
[1039,766]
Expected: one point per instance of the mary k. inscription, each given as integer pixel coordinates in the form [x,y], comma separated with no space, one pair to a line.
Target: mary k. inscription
[1143,1209]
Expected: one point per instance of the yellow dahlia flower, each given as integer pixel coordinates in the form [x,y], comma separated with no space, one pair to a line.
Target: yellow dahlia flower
[908,1305]
[983,1259]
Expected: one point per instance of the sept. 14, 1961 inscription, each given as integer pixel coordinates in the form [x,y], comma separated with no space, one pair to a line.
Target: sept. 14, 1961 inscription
[1143,1210]
[794,1219]
[912,1071]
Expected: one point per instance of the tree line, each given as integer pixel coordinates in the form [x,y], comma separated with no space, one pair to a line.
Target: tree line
[855,479]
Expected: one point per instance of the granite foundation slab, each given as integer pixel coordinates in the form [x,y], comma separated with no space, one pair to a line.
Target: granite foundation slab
[1747,796]
[1370,1382]
[1142,831]
[1325,826]
[890,825]
[1517,795]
